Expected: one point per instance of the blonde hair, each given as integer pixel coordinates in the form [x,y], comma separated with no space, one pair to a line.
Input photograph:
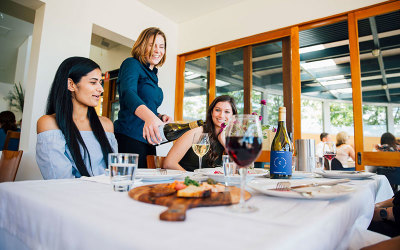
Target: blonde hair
[341,138]
[139,48]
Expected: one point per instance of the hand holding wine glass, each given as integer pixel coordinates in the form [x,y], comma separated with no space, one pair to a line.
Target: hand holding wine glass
[329,152]
[244,143]
[201,145]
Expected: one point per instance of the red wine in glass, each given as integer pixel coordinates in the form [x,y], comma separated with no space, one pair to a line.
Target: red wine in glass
[329,155]
[243,150]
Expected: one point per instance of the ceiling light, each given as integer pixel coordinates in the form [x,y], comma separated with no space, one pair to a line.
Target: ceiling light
[311,48]
[220,83]
[318,64]
[376,52]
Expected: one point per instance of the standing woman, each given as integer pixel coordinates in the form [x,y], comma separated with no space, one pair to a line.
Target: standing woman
[72,140]
[140,96]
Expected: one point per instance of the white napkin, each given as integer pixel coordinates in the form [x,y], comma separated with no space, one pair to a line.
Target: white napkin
[105,179]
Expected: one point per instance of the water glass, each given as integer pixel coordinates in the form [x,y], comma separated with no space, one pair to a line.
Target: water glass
[229,168]
[123,168]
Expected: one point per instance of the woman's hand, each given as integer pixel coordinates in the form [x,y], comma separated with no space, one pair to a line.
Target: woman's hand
[151,131]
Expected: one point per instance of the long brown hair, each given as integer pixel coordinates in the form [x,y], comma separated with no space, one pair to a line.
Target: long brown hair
[210,128]
[139,48]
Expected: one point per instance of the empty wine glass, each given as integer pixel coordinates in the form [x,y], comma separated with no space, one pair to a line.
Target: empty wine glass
[244,143]
[201,145]
[329,152]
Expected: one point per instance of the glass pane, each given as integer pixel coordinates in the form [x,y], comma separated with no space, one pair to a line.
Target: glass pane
[326,90]
[229,76]
[267,81]
[195,95]
[379,41]
[396,120]
[114,111]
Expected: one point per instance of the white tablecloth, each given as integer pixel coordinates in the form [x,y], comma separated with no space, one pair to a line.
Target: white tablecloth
[81,214]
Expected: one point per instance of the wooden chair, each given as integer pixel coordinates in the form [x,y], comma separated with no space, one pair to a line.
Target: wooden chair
[9,163]
[151,161]
[11,135]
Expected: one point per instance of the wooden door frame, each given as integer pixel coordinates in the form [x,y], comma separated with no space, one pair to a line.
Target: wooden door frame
[367,158]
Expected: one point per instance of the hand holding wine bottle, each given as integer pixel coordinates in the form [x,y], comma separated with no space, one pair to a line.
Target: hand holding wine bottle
[172,131]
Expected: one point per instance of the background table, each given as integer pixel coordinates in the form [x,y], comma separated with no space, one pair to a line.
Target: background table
[81,214]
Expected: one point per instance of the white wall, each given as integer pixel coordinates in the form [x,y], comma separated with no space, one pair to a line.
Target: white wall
[109,59]
[62,29]
[21,69]
[257,16]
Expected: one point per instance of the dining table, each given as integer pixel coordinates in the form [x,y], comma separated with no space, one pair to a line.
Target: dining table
[86,213]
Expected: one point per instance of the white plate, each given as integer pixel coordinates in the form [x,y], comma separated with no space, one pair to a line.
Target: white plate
[302,174]
[236,178]
[153,175]
[334,174]
[320,192]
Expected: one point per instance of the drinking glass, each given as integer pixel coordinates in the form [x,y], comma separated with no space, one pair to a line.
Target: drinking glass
[244,143]
[201,145]
[229,168]
[123,168]
[329,152]
[158,162]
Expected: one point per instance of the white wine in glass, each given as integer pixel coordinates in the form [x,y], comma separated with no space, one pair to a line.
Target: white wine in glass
[201,145]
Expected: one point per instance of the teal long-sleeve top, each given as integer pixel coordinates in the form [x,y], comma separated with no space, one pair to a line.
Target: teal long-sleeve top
[137,85]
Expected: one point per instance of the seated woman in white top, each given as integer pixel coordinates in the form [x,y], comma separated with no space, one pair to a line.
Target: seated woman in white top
[72,140]
[344,152]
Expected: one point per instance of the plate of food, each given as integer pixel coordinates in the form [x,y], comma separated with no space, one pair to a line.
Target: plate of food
[155,175]
[323,192]
[218,174]
[336,174]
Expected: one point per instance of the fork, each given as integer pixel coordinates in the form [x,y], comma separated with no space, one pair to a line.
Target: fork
[162,171]
[285,185]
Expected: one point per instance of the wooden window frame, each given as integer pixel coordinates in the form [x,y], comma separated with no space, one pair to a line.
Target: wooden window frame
[290,38]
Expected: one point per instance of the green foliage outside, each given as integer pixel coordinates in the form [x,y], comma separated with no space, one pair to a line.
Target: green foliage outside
[374,115]
[341,114]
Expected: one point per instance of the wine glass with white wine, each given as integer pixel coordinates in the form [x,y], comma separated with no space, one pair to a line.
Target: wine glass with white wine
[201,145]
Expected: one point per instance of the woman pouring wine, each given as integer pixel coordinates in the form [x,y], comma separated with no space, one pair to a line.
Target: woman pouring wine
[137,127]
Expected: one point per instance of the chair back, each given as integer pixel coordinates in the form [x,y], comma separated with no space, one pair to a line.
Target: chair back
[151,161]
[12,135]
[9,164]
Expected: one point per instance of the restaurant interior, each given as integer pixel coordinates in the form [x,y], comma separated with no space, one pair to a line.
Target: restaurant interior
[334,65]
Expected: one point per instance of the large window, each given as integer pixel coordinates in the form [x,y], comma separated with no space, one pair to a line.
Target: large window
[229,76]
[329,79]
[379,42]
[196,85]
[326,81]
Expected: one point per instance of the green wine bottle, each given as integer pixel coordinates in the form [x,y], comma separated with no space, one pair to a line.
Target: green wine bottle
[172,131]
[281,150]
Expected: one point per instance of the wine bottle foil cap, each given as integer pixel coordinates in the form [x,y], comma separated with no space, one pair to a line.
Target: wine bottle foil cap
[282,114]
[193,125]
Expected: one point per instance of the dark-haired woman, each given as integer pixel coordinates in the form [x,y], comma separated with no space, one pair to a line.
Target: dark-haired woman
[72,140]
[182,157]
[140,96]
[7,122]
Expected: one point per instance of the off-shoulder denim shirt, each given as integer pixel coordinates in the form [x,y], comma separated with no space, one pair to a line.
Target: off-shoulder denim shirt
[55,160]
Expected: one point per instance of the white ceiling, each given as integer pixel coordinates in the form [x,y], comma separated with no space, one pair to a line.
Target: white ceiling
[184,10]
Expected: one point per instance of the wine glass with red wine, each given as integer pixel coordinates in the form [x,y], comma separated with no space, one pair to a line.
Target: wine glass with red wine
[329,152]
[244,143]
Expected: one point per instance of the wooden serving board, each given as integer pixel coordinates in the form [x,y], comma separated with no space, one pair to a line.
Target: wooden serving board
[177,206]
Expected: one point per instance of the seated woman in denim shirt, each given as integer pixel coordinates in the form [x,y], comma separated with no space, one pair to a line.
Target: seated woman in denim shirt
[72,140]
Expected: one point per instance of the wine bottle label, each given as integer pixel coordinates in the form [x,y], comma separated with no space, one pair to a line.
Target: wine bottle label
[193,125]
[161,130]
[281,162]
